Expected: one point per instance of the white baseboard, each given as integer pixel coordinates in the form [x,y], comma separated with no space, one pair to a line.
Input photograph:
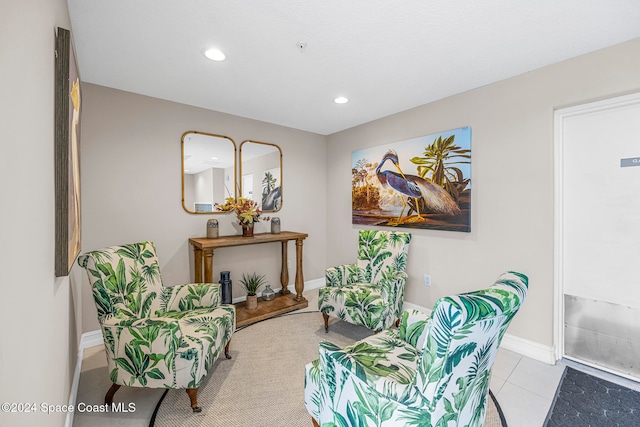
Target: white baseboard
[88,339]
[314,283]
[74,390]
[530,349]
[91,339]
[408,305]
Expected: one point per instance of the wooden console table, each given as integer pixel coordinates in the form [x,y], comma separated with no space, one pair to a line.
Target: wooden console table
[284,302]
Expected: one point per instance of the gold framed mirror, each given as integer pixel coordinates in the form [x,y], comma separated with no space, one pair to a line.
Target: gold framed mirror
[261,174]
[208,171]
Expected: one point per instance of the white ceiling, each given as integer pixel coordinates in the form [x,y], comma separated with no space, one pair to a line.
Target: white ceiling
[386,56]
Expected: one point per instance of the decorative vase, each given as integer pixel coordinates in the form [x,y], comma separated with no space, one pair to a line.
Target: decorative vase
[247,230]
[275,225]
[268,294]
[226,285]
[212,229]
[252,302]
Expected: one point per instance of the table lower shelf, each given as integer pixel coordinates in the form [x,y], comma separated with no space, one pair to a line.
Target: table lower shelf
[267,309]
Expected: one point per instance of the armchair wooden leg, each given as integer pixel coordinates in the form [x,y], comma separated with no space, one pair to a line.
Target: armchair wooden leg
[397,322]
[315,423]
[108,398]
[326,322]
[193,396]
[226,350]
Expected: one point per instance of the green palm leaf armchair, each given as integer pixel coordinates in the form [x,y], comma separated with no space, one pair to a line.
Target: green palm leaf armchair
[155,336]
[430,371]
[370,292]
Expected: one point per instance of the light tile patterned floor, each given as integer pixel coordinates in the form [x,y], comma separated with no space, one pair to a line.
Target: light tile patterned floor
[524,388]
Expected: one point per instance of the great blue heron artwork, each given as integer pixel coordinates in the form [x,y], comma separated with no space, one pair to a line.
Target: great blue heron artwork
[420,183]
[419,189]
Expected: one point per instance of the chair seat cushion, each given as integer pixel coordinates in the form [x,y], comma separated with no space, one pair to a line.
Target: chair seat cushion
[383,361]
[168,352]
[362,285]
[182,314]
[356,303]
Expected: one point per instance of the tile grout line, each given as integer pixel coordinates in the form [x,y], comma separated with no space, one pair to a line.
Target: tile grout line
[526,389]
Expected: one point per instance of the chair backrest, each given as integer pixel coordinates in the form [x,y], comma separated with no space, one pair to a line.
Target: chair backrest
[455,365]
[380,251]
[125,279]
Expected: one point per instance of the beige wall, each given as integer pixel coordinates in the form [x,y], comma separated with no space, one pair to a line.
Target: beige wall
[513,180]
[131,188]
[38,325]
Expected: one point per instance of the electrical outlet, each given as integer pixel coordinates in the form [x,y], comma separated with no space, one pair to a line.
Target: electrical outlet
[427,280]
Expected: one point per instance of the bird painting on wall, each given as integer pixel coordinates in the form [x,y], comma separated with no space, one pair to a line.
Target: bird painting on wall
[419,190]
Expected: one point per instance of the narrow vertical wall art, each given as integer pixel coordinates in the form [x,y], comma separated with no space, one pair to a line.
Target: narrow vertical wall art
[67,154]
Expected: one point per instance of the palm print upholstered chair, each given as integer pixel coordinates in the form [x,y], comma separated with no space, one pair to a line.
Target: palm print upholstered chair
[370,292]
[155,336]
[431,371]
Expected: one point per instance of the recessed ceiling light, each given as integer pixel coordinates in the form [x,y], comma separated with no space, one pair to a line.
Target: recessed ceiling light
[214,158]
[341,100]
[214,55]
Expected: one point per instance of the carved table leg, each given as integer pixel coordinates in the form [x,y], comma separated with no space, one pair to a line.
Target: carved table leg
[284,272]
[197,265]
[193,396]
[299,277]
[208,265]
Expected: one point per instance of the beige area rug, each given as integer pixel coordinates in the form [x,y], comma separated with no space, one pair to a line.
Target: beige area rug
[263,383]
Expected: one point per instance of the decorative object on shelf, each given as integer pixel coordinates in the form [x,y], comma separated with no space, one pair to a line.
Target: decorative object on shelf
[247,230]
[251,302]
[268,294]
[212,229]
[226,285]
[246,210]
[275,225]
[251,283]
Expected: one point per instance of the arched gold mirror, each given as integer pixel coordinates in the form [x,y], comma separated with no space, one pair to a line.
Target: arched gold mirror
[261,174]
[208,171]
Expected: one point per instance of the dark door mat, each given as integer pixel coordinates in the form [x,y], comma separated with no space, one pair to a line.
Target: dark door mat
[587,401]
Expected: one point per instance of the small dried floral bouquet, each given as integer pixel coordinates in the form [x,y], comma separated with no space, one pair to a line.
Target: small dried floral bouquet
[245,209]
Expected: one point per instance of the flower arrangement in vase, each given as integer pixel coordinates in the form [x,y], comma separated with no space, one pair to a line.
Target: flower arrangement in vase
[251,283]
[246,211]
